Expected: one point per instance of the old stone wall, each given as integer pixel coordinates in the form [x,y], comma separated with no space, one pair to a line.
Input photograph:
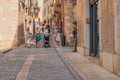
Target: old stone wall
[21,28]
[68,25]
[117,26]
[107,25]
[46,7]
[81,22]
[109,35]
[8,23]
[117,29]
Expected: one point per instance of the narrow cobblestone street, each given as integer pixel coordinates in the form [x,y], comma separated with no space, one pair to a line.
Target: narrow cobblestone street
[59,39]
[34,64]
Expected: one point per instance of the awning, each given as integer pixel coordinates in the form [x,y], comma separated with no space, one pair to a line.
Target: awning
[93,1]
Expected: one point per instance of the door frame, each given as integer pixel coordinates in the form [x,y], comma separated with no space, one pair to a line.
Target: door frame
[93,28]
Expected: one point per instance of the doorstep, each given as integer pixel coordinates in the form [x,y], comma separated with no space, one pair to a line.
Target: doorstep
[95,60]
[87,69]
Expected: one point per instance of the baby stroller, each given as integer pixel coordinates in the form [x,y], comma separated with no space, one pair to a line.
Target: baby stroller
[46,40]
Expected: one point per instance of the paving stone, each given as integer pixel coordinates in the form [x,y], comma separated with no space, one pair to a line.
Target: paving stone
[11,63]
[49,66]
[85,68]
[46,64]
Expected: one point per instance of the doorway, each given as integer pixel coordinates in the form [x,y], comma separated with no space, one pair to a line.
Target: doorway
[94,28]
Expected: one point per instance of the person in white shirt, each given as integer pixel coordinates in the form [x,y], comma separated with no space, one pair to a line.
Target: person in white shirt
[58,38]
[28,37]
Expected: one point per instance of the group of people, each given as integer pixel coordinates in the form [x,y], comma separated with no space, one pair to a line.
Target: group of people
[46,33]
[29,36]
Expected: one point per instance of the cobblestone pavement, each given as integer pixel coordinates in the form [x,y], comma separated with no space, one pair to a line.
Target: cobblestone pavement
[11,63]
[45,65]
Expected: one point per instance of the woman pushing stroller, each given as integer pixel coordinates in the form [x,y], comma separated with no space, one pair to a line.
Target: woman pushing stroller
[46,34]
[46,38]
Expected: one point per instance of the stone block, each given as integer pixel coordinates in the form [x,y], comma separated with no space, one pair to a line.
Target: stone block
[116,65]
[107,61]
[87,52]
[111,62]
[81,51]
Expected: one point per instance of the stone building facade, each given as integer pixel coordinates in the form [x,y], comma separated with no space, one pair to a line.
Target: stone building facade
[8,23]
[61,14]
[13,19]
[65,14]
[47,11]
[41,11]
[69,18]
[98,31]
[52,11]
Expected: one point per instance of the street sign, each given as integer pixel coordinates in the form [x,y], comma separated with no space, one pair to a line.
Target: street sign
[35,15]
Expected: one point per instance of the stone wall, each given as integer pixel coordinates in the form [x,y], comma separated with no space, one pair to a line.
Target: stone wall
[81,22]
[68,25]
[117,26]
[21,28]
[117,30]
[8,23]
[81,25]
[46,11]
[109,35]
[107,25]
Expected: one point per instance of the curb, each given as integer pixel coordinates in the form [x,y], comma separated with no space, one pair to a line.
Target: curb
[6,50]
[73,69]
[82,74]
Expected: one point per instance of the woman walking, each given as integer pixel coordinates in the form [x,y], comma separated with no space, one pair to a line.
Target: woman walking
[38,38]
[58,38]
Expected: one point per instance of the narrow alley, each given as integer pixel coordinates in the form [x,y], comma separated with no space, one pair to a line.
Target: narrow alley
[34,64]
[59,39]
